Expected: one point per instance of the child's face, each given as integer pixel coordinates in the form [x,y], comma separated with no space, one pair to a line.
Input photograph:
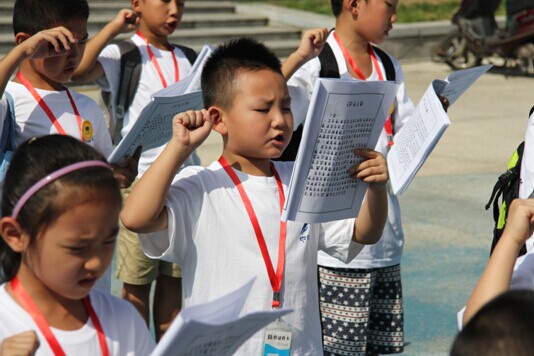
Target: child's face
[375,19]
[76,249]
[59,69]
[161,17]
[259,122]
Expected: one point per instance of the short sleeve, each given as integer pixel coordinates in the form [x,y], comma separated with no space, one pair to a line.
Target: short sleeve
[523,275]
[110,60]
[183,204]
[300,87]
[335,239]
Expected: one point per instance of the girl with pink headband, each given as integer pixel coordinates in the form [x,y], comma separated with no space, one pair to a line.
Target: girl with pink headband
[60,218]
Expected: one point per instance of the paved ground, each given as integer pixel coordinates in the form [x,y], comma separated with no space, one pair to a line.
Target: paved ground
[447,230]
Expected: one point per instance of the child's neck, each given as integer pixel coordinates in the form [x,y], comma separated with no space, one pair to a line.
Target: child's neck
[357,47]
[37,80]
[160,42]
[59,312]
[254,167]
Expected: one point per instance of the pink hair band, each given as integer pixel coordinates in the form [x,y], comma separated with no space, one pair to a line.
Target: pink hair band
[52,177]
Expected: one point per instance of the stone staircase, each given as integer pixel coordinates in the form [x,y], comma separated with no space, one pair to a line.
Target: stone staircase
[204,22]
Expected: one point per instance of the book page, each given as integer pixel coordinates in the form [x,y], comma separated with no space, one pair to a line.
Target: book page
[343,115]
[458,82]
[415,141]
[153,128]
[215,328]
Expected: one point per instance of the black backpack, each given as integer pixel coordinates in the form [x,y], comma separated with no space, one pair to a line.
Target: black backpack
[506,188]
[129,81]
[329,69]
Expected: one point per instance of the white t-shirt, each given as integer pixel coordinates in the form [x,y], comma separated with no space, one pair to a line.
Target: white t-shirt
[126,332]
[149,83]
[211,237]
[387,251]
[32,121]
[526,187]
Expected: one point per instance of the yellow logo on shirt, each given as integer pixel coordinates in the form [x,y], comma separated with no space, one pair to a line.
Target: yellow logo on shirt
[87,130]
[392,108]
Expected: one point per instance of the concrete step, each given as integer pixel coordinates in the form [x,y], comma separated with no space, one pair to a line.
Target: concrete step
[189,21]
[98,8]
[281,40]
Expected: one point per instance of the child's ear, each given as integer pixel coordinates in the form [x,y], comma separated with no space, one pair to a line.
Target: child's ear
[21,37]
[136,6]
[352,6]
[13,235]
[217,114]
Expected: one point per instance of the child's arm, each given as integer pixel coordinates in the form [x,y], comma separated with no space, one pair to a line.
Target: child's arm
[144,209]
[373,214]
[89,69]
[311,44]
[25,343]
[498,273]
[46,43]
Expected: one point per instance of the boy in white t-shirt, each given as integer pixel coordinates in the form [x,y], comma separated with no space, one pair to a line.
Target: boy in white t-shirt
[222,223]
[377,318]
[161,64]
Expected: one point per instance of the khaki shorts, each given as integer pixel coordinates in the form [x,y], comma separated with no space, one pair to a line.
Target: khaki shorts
[133,266]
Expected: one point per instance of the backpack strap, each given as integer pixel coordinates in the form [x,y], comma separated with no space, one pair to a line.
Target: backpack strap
[7,140]
[329,68]
[189,53]
[387,63]
[130,71]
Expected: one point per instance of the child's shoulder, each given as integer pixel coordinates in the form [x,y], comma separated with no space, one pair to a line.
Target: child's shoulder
[111,306]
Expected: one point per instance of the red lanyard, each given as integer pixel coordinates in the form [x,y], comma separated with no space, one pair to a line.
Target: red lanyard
[275,278]
[46,108]
[27,303]
[388,125]
[155,63]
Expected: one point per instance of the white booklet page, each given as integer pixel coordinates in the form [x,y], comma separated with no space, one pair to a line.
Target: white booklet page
[215,328]
[418,137]
[153,128]
[343,115]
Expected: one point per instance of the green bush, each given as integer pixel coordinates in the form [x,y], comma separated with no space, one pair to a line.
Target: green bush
[410,12]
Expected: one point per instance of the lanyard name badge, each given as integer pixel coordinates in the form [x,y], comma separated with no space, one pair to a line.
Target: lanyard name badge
[277,338]
[155,63]
[85,127]
[388,125]
[29,305]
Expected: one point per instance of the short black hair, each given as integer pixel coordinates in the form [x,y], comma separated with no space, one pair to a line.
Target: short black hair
[337,5]
[504,326]
[225,63]
[32,16]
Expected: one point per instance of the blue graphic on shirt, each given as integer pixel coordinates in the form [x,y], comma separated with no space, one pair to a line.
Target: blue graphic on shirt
[273,351]
[305,233]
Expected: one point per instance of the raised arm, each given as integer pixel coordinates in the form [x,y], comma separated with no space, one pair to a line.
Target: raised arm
[89,69]
[374,211]
[46,43]
[144,209]
[311,44]
[498,273]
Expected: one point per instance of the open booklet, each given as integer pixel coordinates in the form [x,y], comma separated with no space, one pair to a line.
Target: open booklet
[215,328]
[343,115]
[418,137]
[153,128]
